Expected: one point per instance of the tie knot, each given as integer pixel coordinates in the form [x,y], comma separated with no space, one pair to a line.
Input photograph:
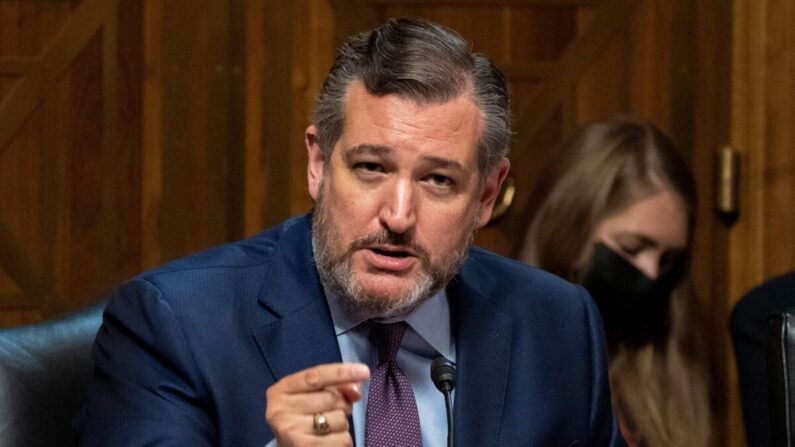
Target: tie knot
[390,336]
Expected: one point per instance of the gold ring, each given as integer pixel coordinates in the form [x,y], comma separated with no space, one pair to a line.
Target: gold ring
[320,424]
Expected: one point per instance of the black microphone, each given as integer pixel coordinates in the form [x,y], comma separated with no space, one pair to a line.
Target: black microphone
[443,376]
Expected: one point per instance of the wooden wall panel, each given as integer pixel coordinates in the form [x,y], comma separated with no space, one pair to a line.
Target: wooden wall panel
[710,65]
[539,34]
[68,167]
[778,154]
[650,53]
[295,48]
[761,244]
[179,125]
[467,20]
[277,100]
[79,251]
[123,164]
[632,74]
[23,225]
[151,170]
[29,26]
[7,82]
[602,90]
[26,29]
[201,108]
[312,51]
[254,161]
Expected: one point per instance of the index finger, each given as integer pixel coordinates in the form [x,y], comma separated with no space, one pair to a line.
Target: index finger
[322,376]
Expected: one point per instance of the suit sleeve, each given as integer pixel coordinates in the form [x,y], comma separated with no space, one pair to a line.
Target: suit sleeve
[146,389]
[604,425]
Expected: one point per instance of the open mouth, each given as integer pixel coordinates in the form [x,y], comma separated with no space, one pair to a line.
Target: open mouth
[391,253]
[391,259]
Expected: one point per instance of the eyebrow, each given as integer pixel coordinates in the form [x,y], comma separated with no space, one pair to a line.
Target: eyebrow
[444,163]
[371,149]
[385,151]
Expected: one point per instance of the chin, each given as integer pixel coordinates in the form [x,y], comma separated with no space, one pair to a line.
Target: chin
[382,293]
[385,298]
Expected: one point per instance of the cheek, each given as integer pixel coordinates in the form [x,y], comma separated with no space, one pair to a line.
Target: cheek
[681,238]
[441,228]
[352,211]
[342,194]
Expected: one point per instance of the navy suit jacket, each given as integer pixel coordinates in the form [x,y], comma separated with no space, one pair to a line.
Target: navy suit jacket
[187,351]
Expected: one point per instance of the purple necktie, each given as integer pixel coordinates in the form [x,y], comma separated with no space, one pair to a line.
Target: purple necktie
[392,419]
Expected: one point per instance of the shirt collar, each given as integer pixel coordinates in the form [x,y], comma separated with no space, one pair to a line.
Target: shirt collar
[430,320]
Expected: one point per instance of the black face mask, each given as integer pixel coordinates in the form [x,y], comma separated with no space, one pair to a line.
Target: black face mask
[634,307]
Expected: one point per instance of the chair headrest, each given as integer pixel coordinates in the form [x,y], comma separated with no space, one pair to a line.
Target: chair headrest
[44,372]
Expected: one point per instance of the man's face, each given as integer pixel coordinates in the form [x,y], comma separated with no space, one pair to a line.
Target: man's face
[398,200]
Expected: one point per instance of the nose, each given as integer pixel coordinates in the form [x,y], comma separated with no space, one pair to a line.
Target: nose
[649,265]
[397,212]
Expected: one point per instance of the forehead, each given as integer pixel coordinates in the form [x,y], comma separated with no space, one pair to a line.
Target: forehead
[451,129]
[661,217]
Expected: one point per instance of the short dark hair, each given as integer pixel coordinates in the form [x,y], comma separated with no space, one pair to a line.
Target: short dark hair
[422,61]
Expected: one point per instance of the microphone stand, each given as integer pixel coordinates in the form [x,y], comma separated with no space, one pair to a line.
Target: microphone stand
[443,376]
[448,402]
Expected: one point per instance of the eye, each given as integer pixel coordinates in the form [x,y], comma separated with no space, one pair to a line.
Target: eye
[631,249]
[440,181]
[368,166]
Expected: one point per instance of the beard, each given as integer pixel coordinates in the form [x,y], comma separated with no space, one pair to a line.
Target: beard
[335,266]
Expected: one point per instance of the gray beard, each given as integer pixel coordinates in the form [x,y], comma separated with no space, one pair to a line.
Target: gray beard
[337,275]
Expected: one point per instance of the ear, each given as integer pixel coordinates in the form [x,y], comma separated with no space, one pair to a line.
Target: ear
[316,161]
[491,189]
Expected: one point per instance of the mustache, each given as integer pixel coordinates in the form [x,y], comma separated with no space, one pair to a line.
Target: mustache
[385,236]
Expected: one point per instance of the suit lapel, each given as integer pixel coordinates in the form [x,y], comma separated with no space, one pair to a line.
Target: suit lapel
[296,330]
[483,354]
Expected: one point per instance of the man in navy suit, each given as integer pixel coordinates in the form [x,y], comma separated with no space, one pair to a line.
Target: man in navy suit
[270,340]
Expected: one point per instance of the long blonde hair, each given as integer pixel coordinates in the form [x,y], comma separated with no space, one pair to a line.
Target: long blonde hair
[661,388]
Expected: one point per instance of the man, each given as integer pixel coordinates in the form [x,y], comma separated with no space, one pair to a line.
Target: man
[336,317]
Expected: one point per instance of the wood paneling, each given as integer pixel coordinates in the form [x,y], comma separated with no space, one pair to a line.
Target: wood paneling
[762,241]
[710,64]
[761,244]
[57,55]
[151,171]
[136,131]
[275,127]
[14,318]
[312,50]
[201,107]
[66,162]
[29,26]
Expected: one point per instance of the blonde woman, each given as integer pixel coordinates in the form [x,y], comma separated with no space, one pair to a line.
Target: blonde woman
[614,211]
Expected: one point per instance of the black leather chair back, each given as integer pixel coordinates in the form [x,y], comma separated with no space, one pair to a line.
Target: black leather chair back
[781,377]
[44,372]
